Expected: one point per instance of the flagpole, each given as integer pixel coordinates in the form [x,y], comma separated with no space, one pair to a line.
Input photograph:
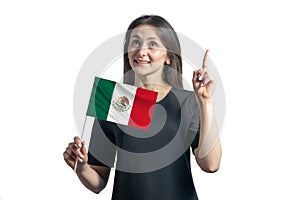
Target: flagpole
[76,161]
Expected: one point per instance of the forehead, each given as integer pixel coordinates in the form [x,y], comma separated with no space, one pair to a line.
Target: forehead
[145,31]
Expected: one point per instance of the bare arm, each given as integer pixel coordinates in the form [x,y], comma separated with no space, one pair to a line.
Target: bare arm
[209,152]
[92,177]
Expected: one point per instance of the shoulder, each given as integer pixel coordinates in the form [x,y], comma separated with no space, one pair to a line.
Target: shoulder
[184,95]
[187,99]
[182,91]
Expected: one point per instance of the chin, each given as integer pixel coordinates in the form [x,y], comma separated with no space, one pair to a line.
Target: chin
[141,72]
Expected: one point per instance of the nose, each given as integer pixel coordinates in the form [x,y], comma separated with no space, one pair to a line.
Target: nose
[143,51]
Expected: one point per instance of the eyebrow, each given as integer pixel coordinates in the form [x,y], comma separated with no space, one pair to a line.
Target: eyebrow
[149,38]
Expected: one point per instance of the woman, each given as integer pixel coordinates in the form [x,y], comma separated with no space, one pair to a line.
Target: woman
[152,60]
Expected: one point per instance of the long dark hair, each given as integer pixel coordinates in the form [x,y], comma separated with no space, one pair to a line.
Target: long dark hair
[171,74]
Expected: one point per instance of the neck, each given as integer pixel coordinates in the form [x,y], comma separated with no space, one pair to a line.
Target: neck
[159,86]
[151,84]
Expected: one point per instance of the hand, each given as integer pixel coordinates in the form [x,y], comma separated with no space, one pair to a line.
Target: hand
[202,82]
[75,151]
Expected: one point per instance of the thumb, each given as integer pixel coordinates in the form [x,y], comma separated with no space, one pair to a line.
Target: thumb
[83,149]
[211,86]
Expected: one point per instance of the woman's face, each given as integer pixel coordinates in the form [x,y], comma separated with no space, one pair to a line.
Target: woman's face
[146,52]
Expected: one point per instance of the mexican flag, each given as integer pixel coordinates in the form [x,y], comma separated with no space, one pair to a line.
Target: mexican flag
[121,103]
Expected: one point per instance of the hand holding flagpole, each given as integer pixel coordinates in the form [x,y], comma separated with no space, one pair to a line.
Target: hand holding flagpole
[76,151]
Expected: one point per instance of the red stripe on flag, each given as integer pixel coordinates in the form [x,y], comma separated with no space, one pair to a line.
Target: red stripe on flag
[142,108]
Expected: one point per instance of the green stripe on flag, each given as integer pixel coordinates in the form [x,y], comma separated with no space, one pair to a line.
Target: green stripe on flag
[100,98]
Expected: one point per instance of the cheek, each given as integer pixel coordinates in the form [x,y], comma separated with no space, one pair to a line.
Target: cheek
[159,56]
[131,55]
[132,49]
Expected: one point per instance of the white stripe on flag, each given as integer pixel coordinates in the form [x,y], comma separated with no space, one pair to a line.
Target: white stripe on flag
[115,115]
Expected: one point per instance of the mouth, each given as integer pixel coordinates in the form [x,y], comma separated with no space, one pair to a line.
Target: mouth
[141,62]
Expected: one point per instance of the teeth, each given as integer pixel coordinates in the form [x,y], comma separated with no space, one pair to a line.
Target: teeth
[143,62]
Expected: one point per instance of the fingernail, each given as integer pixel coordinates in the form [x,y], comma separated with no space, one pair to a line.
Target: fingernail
[79,146]
[200,77]
[81,156]
[80,160]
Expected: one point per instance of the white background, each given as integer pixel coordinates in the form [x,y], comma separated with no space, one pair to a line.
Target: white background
[254,45]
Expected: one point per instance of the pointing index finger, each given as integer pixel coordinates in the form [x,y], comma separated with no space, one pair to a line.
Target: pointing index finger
[204,66]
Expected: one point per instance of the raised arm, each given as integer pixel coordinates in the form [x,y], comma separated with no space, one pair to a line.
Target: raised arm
[209,152]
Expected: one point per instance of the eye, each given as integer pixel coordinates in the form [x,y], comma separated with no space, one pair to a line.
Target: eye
[153,44]
[136,43]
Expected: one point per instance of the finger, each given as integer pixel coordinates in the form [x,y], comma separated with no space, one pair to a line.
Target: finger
[195,75]
[204,66]
[201,78]
[84,152]
[76,138]
[72,146]
[83,149]
[70,153]
[210,83]
[201,73]
[206,78]
[70,162]
[68,156]
[77,153]
[206,81]
[196,81]
[75,150]
[78,142]
[198,75]
[211,86]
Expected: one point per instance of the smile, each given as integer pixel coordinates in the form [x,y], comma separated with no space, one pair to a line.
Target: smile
[142,61]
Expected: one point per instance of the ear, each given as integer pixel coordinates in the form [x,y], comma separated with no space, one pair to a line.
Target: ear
[168,61]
